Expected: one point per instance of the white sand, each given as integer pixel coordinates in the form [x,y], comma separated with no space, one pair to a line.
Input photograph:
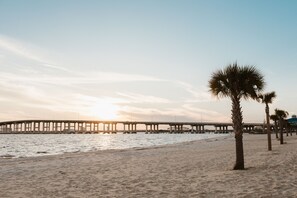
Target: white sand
[195,169]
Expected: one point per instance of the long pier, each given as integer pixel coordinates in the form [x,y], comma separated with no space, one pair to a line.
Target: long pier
[95,126]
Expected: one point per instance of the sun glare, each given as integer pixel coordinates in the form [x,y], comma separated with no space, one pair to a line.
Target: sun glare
[105,110]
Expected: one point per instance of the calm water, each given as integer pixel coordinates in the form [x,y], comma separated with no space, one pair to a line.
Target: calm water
[26,145]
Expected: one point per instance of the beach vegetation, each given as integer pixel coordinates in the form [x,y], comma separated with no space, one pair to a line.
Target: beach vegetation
[237,82]
[267,99]
[281,115]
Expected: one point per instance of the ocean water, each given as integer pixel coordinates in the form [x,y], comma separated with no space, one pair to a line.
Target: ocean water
[31,145]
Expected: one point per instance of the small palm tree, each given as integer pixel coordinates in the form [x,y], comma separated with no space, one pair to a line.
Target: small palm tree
[274,118]
[287,127]
[237,82]
[281,115]
[267,99]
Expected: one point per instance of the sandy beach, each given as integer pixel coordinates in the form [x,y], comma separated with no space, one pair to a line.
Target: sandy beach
[193,169]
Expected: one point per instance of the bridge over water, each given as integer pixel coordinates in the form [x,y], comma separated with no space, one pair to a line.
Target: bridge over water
[95,126]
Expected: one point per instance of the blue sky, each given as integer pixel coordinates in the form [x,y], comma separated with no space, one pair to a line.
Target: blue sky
[140,60]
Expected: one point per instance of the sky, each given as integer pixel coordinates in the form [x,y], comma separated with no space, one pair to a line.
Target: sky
[141,60]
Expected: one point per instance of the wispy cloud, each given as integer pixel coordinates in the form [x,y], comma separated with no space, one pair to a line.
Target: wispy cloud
[110,77]
[139,98]
[36,84]
[48,86]
[205,114]
[197,95]
[28,52]
[18,48]
[74,79]
[185,112]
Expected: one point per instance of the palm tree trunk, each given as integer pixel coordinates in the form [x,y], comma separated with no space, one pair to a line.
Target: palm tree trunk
[276,129]
[268,128]
[281,132]
[237,125]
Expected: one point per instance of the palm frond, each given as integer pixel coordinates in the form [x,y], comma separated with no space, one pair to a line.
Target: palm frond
[267,97]
[281,114]
[237,81]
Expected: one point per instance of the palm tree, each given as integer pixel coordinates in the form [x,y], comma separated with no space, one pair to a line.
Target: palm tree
[281,114]
[267,99]
[274,118]
[288,127]
[237,82]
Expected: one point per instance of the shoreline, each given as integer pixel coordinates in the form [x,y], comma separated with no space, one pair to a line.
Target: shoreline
[200,168]
[3,158]
[88,143]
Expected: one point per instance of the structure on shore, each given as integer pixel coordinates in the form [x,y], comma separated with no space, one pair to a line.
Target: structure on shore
[95,126]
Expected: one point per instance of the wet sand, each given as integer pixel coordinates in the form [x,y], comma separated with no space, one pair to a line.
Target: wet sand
[193,169]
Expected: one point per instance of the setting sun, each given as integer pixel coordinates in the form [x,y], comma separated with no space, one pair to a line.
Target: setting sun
[105,110]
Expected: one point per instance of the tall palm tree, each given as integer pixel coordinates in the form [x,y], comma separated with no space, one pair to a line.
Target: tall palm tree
[237,82]
[281,114]
[274,118]
[267,99]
